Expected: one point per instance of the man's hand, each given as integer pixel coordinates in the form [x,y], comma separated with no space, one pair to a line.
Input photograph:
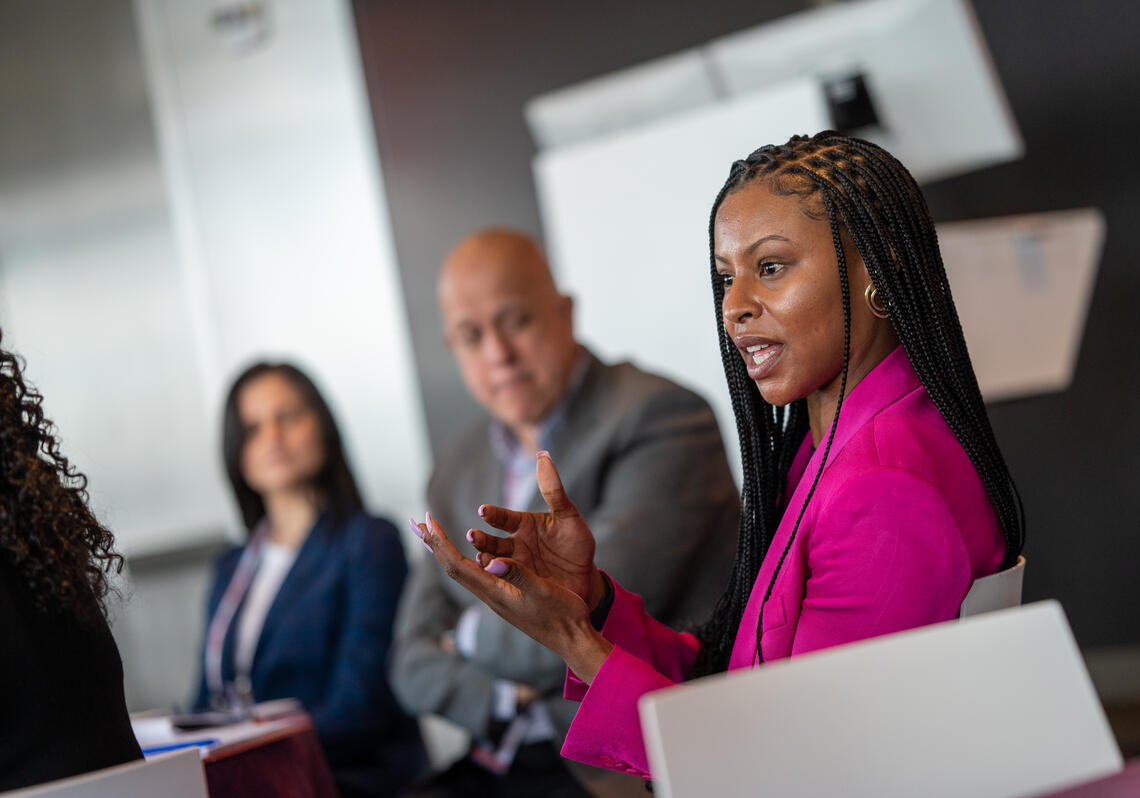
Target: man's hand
[524,696]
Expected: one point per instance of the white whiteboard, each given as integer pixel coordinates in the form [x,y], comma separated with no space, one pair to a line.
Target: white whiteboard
[626,220]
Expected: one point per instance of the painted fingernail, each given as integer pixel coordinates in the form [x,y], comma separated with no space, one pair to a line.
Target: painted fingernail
[427,519]
[543,453]
[470,535]
[426,546]
[496,567]
[482,510]
[416,528]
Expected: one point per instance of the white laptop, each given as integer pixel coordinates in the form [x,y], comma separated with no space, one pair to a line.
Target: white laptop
[996,705]
[173,775]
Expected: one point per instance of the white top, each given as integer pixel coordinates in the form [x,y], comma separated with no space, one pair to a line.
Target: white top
[273,567]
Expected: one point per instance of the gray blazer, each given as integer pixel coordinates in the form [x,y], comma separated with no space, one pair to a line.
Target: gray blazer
[644,462]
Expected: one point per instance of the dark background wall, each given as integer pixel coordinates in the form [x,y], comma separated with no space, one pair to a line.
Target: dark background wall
[448,81]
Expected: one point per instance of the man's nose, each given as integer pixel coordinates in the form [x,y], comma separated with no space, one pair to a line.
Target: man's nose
[497,347]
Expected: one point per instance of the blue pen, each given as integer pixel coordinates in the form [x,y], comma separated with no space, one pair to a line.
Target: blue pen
[162,749]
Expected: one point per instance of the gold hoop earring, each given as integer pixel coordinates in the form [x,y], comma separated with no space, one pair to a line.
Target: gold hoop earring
[871,294]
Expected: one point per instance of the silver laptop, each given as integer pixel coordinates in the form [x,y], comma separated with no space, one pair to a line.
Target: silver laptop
[996,705]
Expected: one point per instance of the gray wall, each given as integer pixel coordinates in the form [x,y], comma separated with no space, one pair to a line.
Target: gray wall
[448,81]
[159,626]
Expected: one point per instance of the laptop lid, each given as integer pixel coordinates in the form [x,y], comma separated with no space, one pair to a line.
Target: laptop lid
[996,705]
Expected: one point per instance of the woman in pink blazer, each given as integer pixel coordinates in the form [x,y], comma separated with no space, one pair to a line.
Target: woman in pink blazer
[874,492]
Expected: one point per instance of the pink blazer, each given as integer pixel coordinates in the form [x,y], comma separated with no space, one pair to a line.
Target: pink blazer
[897,531]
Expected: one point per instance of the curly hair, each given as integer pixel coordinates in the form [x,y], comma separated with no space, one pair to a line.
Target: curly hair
[48,534]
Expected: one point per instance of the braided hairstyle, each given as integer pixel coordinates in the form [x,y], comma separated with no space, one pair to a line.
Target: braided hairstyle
[48,534]
[863,191]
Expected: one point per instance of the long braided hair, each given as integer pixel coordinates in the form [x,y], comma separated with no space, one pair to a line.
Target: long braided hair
[863,191]
[48,534]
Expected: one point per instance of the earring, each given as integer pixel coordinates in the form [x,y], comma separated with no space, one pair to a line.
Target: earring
[871,294]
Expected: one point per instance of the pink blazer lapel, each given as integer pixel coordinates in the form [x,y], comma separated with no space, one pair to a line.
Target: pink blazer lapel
[888,382]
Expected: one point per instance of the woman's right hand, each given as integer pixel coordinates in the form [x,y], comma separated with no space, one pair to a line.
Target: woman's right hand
[556,545]
[542,578]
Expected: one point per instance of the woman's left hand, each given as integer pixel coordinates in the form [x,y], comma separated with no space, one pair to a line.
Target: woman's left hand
[542,608]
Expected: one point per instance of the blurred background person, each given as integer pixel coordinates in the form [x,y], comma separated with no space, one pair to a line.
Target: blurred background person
[305,608]
[649,468]
[63,711]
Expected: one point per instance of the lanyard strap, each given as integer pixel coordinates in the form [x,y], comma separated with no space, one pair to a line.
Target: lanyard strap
[227,608]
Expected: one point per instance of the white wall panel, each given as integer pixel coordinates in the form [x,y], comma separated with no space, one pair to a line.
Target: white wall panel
[101,319]
[249,223]
[283,228]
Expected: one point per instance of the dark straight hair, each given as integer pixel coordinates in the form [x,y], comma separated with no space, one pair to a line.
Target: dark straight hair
[862,191]
[333,483]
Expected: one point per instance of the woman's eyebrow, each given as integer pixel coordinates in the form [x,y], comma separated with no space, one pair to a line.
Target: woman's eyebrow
[770,237]
[752,247]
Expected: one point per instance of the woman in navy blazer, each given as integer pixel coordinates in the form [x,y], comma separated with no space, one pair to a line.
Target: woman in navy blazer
[305,608]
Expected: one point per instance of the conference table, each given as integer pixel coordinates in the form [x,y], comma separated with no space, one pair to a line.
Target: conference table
[278,756]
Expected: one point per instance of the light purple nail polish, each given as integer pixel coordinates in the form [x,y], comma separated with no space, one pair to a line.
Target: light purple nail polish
[482,510]
[470,535]
[543,453]
[496,567]
[416,528]
[427,519]
[426,546]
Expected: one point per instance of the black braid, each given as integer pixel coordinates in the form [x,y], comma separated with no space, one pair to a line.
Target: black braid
[867,193]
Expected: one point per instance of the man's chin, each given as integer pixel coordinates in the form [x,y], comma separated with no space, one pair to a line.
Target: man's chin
[517,414]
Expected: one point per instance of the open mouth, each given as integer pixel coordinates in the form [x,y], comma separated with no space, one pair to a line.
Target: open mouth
[760,358]
[761,353]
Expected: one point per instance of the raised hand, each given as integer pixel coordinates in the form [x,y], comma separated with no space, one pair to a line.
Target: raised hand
[542,579]
[556,545]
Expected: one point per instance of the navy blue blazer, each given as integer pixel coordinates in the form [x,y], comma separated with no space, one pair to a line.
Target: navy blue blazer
[325,641]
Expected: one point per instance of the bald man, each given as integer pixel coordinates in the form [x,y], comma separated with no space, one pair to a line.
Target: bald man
[639,455]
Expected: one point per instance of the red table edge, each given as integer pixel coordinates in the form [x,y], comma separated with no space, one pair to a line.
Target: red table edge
[301,722]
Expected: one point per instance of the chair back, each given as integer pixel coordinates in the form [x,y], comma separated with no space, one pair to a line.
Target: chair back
[178,774]
[998,591]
